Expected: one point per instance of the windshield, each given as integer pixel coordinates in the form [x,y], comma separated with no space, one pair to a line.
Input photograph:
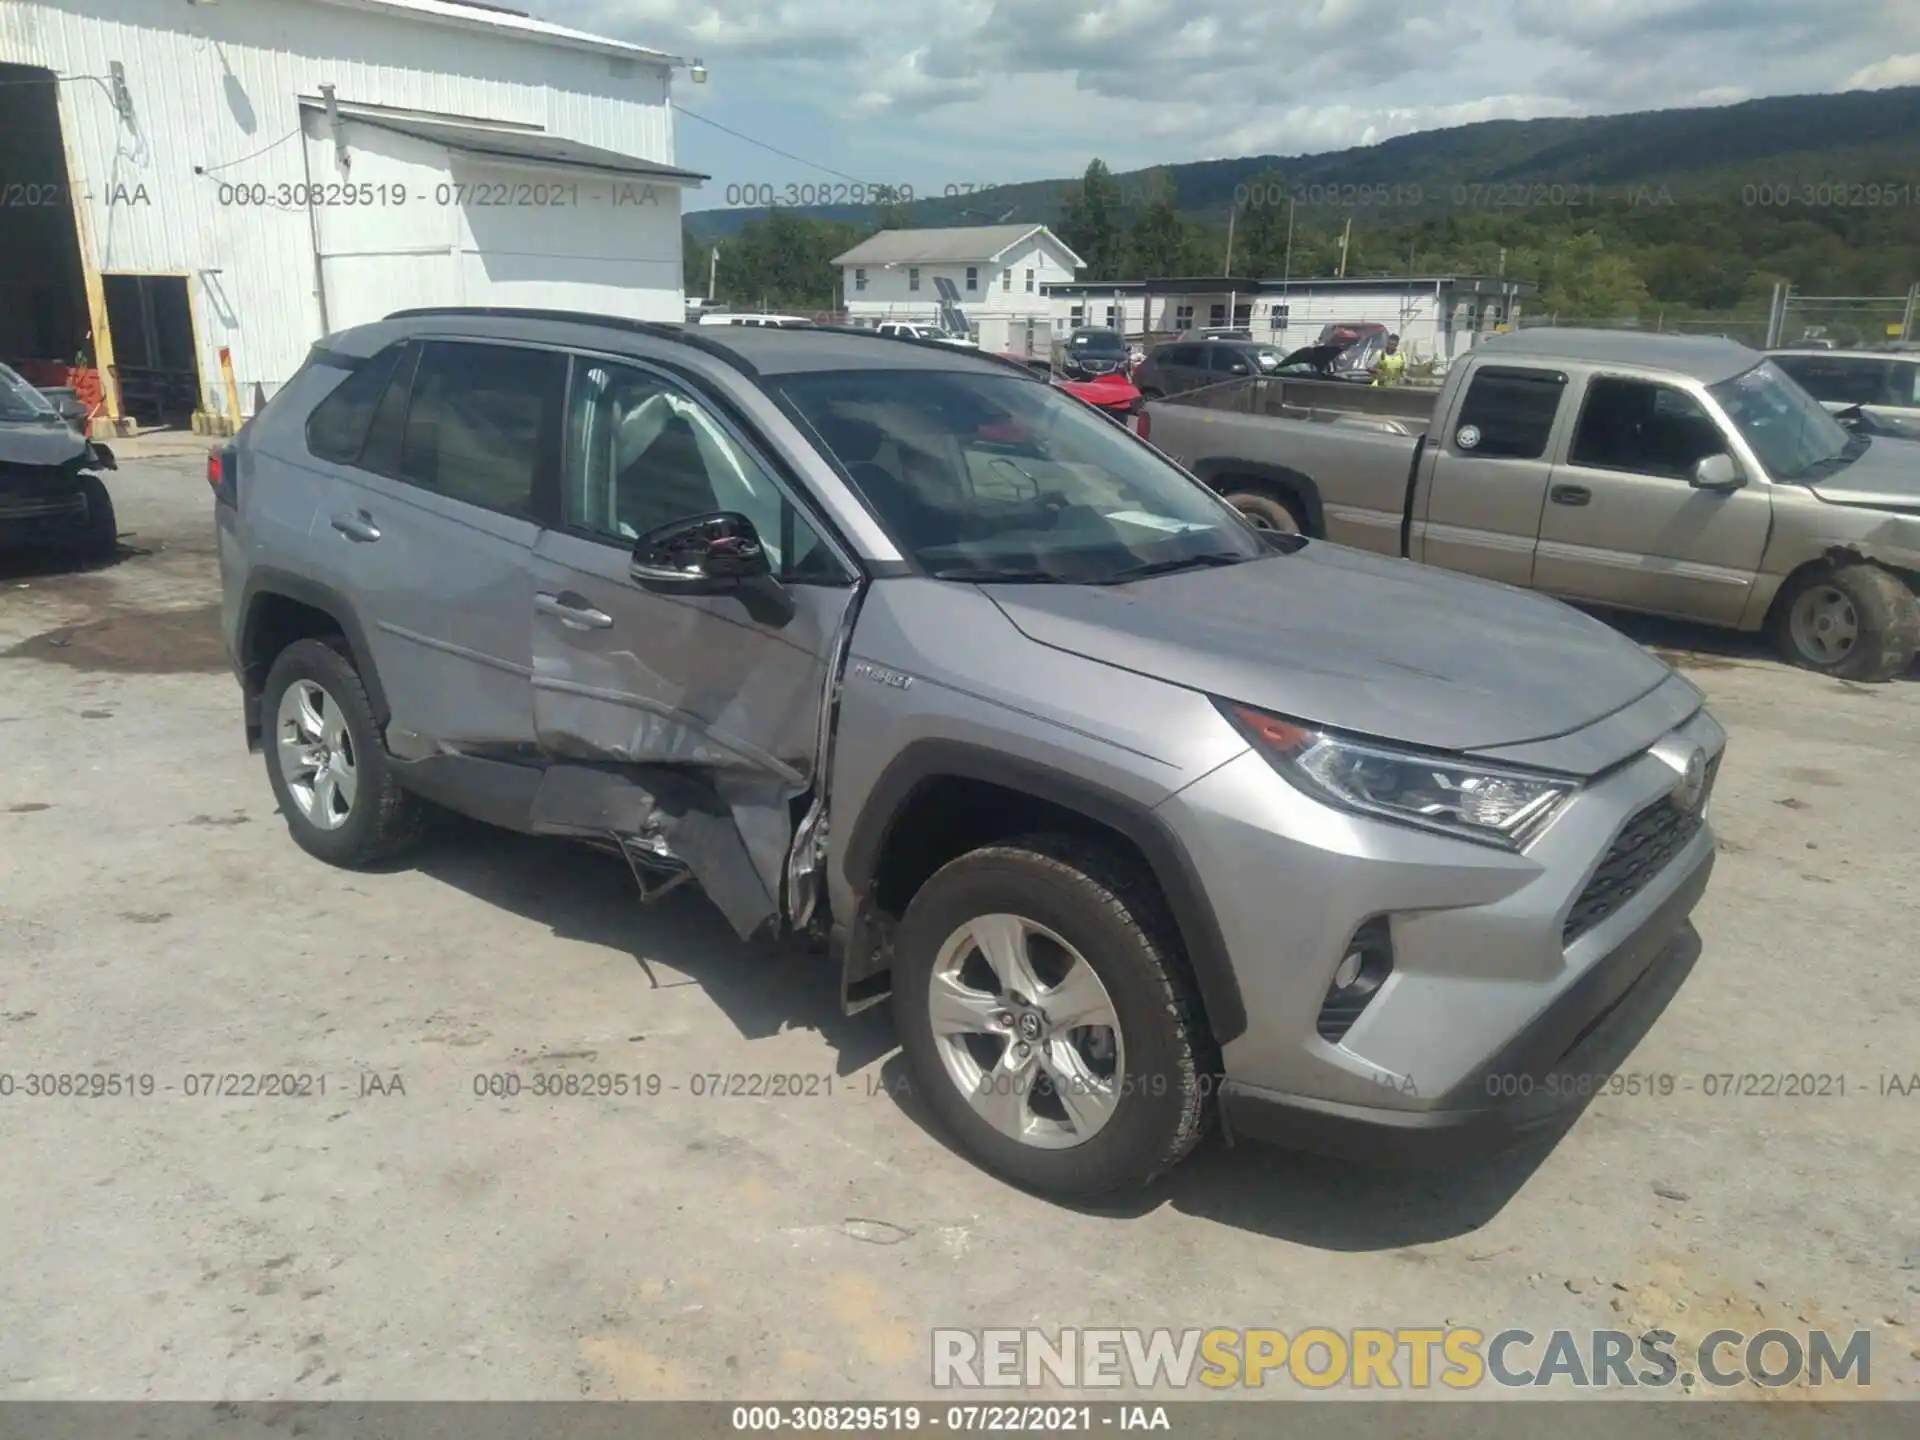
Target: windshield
[992,477]
[1106,344]
[1789,430]
[20,401]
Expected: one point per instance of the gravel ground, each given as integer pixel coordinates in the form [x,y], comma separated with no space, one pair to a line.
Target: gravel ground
[406,1235]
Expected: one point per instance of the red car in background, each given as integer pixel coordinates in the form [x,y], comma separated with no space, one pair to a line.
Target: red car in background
[1112,395]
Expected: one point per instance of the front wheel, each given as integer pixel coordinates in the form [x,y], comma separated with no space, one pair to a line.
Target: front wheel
[1049,1019]
[98,537]
[1853,621]
[1267,512]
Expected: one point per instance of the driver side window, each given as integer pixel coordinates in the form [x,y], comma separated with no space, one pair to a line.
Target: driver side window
[642,453]
[1648,428]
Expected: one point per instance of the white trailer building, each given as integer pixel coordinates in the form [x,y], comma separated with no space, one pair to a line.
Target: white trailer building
[1437,316]
[195,189]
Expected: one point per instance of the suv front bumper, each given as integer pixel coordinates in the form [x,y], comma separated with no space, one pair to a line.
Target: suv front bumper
[1509,1004]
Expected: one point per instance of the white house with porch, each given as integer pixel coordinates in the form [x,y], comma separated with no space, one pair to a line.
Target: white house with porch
[999,274]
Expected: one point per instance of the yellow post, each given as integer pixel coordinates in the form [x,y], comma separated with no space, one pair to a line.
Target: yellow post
[233,386]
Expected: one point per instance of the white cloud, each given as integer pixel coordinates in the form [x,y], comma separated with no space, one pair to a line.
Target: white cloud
[1894,70]
[1020,89]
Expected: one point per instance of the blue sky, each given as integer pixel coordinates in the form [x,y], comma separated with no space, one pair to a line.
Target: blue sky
[928,93]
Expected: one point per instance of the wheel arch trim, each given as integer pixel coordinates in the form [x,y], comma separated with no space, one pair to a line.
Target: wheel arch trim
[923,762]
[269,582]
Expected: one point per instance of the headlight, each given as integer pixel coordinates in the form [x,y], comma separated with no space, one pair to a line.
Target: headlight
[1487,803]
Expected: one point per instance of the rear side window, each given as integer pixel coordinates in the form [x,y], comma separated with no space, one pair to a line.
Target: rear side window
[483,425]
[338,425]
[1508,413]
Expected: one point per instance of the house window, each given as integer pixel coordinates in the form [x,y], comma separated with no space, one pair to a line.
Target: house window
[1216,316]
[1030,282]
[1113,317]
[913,277]
[1006,280]
[860,279]
[1077,315]
[1183,317]
[1277,318]
[973,277]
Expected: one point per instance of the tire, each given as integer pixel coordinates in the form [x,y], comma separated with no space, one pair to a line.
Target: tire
[1268,512]
[98,537]
[380,819]
[1852,621]
[1109,911]
[1149,393]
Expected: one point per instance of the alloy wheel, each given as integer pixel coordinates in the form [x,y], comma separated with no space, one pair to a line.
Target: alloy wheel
[316,754]
[1026,1030]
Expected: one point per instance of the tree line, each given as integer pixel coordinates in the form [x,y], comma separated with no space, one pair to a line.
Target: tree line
[1628,256]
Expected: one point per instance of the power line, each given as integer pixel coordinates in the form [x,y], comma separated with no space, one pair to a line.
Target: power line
[775,149]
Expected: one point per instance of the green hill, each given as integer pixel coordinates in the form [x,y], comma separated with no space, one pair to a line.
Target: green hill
[1793,140]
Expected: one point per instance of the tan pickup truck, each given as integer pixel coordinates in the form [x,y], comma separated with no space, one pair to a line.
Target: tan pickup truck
[1676,475]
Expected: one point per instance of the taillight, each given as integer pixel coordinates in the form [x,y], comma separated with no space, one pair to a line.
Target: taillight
[222,473]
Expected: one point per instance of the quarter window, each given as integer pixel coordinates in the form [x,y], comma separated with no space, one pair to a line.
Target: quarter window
[338,425]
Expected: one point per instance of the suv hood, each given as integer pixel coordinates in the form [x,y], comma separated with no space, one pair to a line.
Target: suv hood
[37,443]
[1885,477]
[1354,642]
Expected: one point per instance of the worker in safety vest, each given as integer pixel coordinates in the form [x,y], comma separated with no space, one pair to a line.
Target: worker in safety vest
[1391,367]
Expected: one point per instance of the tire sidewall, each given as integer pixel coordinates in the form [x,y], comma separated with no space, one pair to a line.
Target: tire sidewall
[1134,1142]
[317,661]
[98,538]
[1277,513]
[1882,611]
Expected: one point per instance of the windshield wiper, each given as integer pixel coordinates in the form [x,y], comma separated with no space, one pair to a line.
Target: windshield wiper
[1207,559]
[991,575]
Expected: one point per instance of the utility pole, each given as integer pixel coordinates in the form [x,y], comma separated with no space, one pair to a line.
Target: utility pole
[1906,320]
[1346,238]
[1231,215]
[713,267]
[1286,272]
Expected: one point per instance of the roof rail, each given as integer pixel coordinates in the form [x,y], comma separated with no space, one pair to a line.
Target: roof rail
[658,329]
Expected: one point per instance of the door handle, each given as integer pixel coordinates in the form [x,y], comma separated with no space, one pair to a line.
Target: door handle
[357,526]
[1570,494]
[573,611]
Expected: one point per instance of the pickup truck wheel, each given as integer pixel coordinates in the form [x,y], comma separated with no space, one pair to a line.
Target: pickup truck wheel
[1048,1018]
[1854,622]
[1266,512]
[325,761]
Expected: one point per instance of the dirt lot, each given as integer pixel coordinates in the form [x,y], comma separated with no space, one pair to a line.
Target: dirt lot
[403,1236]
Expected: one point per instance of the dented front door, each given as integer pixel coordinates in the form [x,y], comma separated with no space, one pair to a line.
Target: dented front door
[691,720]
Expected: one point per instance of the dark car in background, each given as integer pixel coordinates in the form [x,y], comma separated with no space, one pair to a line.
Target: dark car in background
[1188,364]
[50,496]
[1089,351]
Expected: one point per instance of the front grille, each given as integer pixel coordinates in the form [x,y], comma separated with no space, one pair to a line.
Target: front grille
[1641,851]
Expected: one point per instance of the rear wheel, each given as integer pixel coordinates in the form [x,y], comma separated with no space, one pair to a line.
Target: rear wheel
[1853,621]
[1048,1018]
[326,764]
[1268,512]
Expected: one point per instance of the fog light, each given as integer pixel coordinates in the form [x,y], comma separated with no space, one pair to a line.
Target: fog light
[1348,971]
[1356,979]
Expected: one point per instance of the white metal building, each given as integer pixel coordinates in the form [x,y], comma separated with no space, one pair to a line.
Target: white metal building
[999,272]
[1437,316]
[244,176]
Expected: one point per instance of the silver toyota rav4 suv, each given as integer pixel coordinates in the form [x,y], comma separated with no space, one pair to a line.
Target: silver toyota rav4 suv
[1144,820]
